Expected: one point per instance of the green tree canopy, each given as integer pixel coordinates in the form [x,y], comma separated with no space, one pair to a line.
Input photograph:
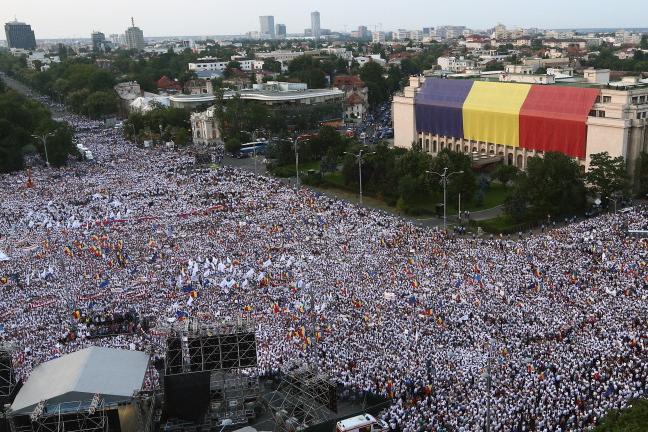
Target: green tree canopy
[607,176]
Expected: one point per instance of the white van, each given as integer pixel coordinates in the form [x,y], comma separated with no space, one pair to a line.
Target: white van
[361,423]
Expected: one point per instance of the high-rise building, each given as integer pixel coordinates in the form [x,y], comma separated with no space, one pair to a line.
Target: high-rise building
[280,31]
[315,25]
[134,37]
[363,32]
[267,27]
[20,35]
[98,41]
[378,37]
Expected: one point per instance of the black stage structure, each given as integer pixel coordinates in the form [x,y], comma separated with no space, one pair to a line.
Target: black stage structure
[210,375]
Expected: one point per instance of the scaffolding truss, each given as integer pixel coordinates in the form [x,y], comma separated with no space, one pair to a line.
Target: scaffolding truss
[201,347]
[7,378]
[77,416]
[305,398]
[228,351]
[147,409]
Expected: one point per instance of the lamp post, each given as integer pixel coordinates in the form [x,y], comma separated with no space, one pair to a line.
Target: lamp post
[43,139]
[359,158]
[295,142]
[444,179]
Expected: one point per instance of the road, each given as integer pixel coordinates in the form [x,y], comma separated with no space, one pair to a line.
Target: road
[23,89]
[248,164]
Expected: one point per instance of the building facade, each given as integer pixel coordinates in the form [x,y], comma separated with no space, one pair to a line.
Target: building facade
[205,128]
[134,37]
[518,121]
[356,96]
[316,30]
[20,35]
[98,41]
[280,31]
[267,27]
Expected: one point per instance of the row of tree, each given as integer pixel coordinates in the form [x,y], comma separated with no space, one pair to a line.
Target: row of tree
[22,119]
[79,83]
[555,186]
[160,124]
[607,60]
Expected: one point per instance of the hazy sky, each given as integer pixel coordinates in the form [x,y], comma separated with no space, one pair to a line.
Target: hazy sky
[78,18]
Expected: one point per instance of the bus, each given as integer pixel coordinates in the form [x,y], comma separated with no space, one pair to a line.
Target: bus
[253,147]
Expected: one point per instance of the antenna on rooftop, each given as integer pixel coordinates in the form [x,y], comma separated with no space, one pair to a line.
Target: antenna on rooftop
[133,21]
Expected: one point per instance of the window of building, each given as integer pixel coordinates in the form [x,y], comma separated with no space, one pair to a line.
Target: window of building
[434,146]
[607,99]
[592,113]
[635,100]
[474,149]
[601,113]
[598,99]
[421,142]
[427,145]
[466,149]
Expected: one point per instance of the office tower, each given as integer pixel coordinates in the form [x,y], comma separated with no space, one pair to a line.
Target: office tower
[20,35]
[280,30]
[98,41]
[315,24]
[134,37]
[267,27]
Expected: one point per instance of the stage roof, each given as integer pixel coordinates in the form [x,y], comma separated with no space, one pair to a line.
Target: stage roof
[112,373]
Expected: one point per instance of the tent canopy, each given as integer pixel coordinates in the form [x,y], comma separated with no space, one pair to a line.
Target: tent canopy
[113,373]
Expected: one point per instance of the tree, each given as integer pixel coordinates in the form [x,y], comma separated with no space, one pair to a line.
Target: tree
[505,173]
[233,146]
[642,174]
[516,205]
[644,41]
[607,176]
[630,419]
[553,186]
[270,65]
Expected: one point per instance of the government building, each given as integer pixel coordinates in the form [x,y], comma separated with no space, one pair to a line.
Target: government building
[517,121]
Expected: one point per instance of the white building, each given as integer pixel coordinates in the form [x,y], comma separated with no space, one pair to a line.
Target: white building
[205,127]
[378,37]
[453,64]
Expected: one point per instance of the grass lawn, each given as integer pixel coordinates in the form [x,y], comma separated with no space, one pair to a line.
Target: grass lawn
[495,196]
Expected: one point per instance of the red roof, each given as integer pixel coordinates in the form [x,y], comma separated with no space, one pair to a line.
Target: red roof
[342,81]
[167,83]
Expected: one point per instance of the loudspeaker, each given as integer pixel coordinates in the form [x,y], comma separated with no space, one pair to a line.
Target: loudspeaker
[187,396]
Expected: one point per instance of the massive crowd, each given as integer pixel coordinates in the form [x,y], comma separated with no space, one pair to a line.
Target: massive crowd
[557,318]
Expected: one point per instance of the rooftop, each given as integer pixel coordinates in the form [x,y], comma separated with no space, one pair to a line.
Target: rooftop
[113,373]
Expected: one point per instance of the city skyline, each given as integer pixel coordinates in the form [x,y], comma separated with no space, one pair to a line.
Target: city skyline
[215,19]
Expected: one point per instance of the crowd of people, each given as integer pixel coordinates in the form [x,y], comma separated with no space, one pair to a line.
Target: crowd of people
[548,329]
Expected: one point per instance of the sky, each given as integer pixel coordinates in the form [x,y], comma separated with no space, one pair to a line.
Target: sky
[78,18]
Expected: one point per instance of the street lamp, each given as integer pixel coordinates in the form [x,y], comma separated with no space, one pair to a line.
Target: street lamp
[43,139]
[359,158]
[295,142]
[444,179]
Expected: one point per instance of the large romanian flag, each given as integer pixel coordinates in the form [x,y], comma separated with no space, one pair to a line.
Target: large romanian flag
[535,117]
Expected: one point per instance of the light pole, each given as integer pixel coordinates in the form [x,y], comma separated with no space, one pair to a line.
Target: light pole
[444,179]
[43,139]
[359,158]
[295,142]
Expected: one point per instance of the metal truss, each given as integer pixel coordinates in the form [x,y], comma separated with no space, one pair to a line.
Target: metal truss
[7,378]
[78,416]
[200,347]
[227,349]
[302,400]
